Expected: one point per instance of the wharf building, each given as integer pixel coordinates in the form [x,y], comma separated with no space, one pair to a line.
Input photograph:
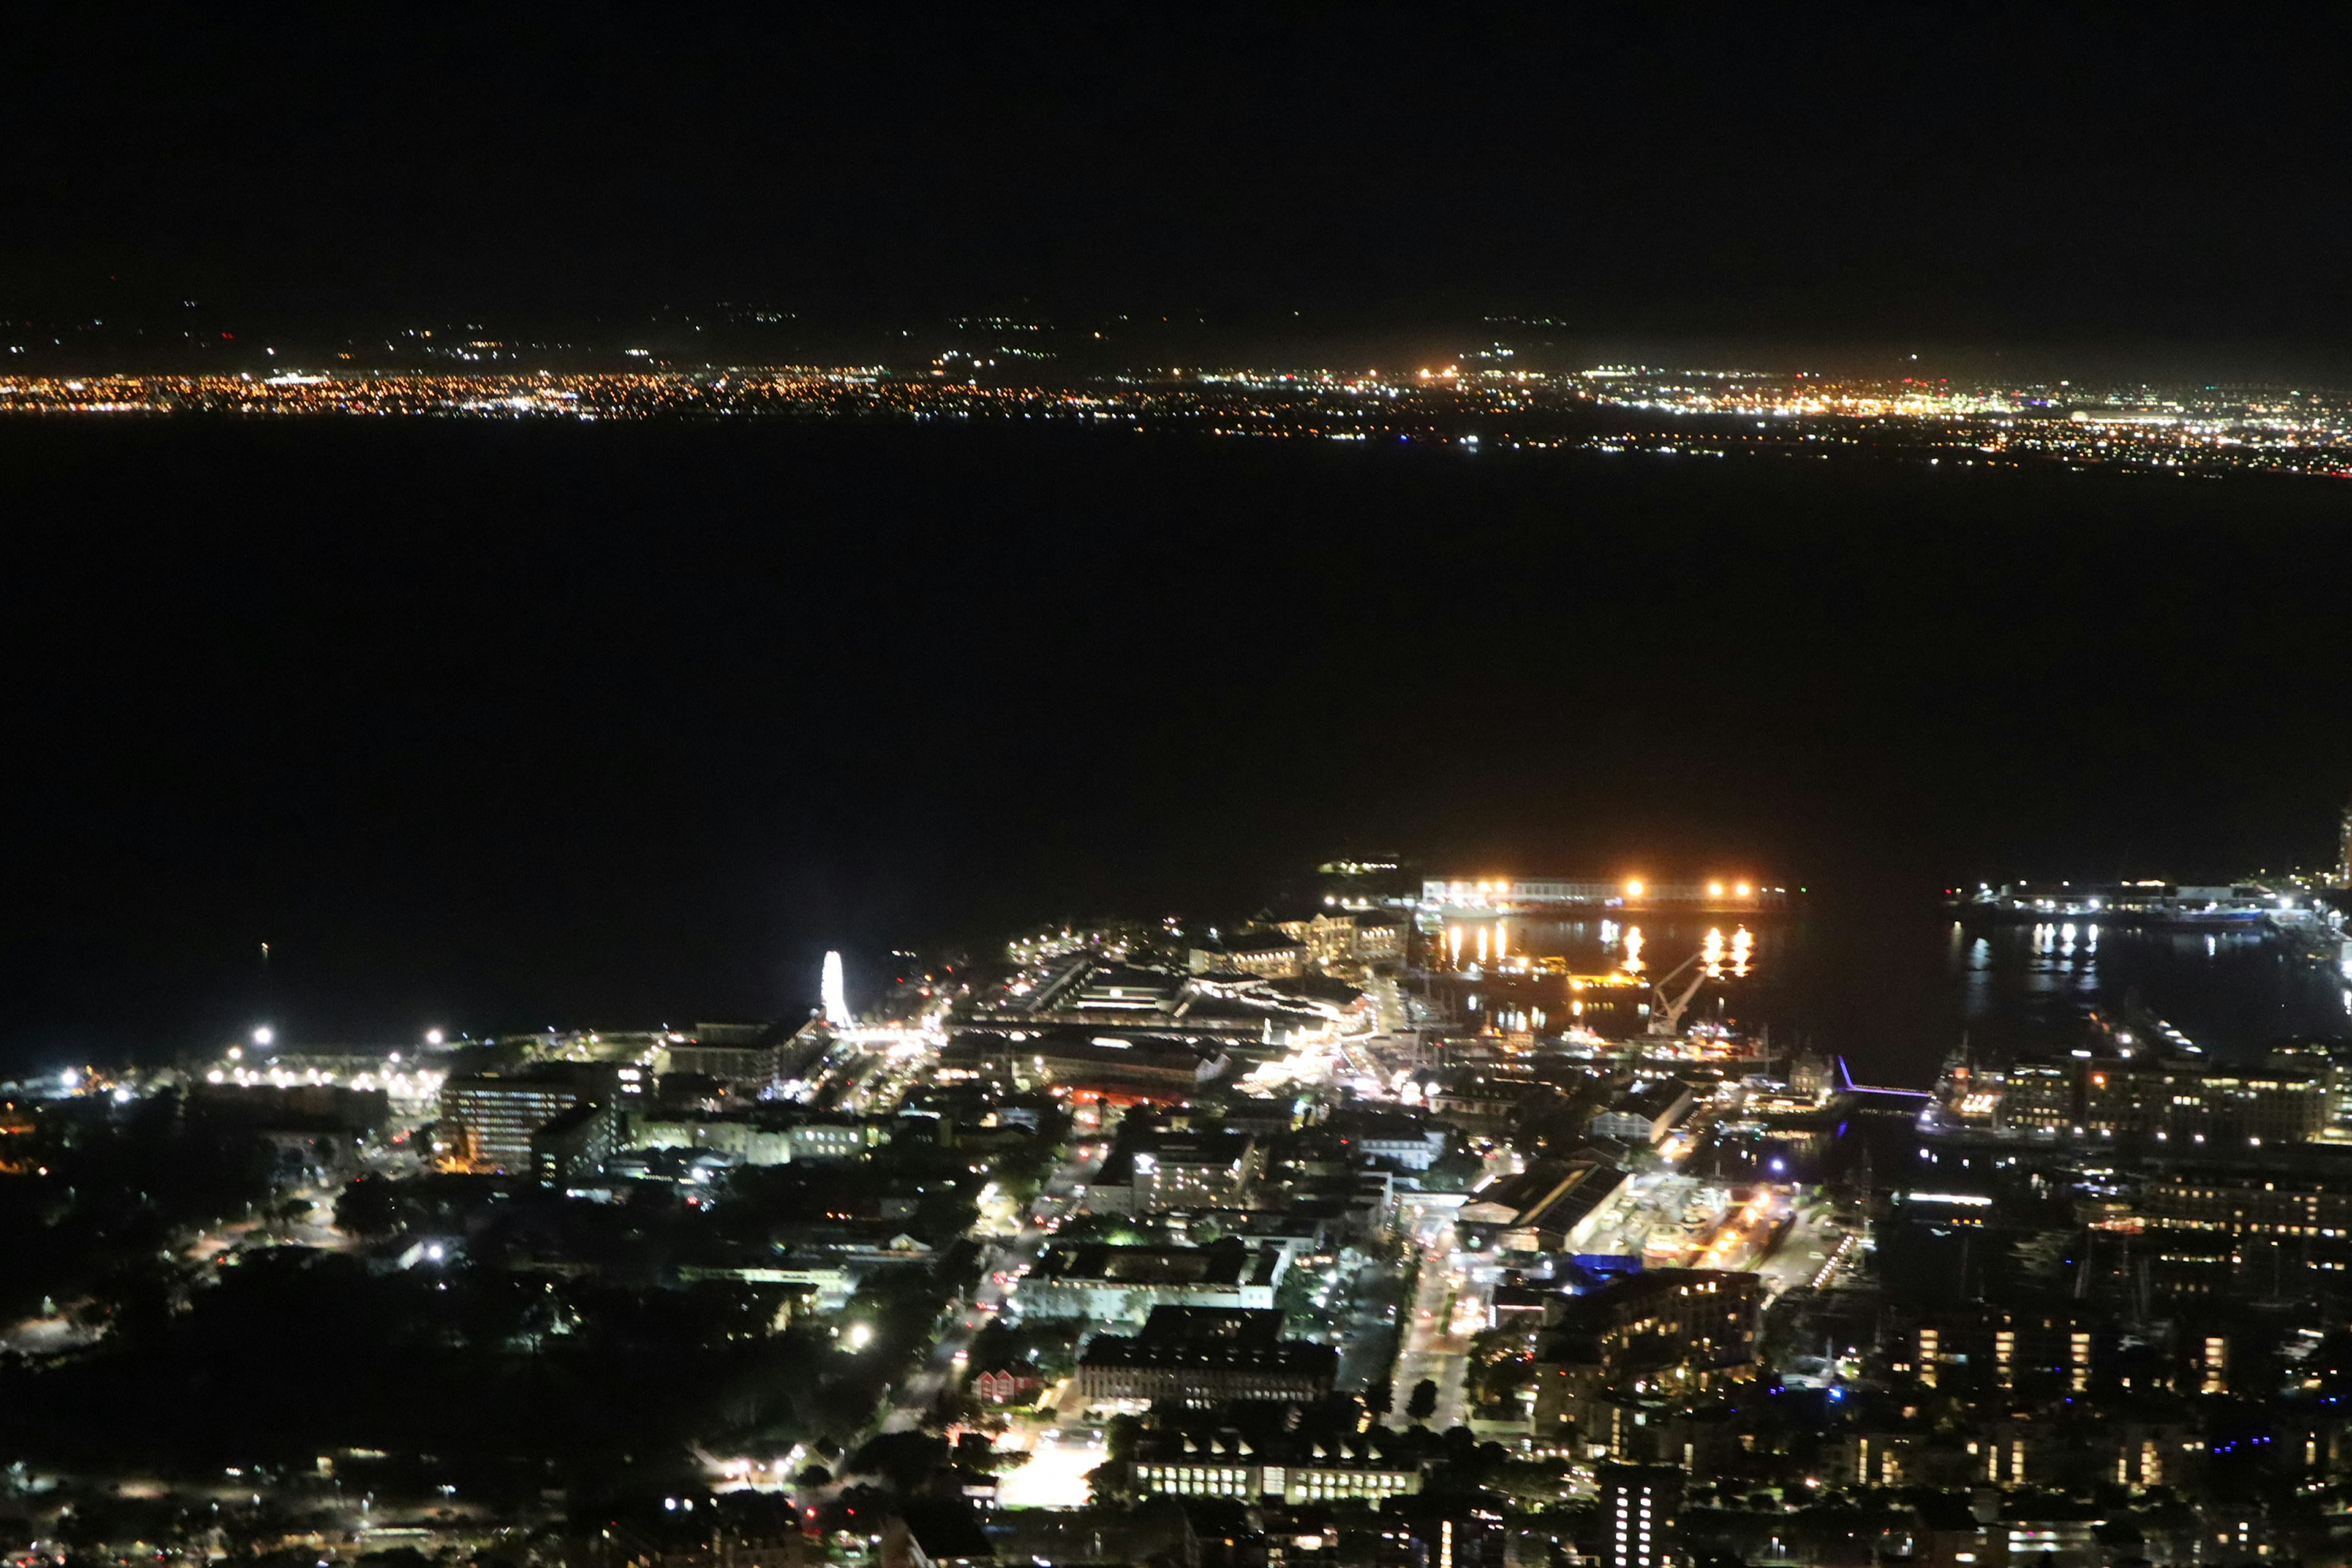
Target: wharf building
[1442,896]
[1553,1205]
[1646,1113]
[1268,955]
[1085,993]
[1123,1284]
[1477,1103]
[1326,941]
[1123,990]
[1338,939]
[1203,1357]
[1137,1068]
[1049,1027]
[1297,1469]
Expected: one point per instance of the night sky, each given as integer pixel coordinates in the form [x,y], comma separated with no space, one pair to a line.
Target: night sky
[2164,181]
[559,725]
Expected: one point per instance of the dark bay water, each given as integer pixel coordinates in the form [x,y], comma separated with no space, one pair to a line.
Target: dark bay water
[505,724]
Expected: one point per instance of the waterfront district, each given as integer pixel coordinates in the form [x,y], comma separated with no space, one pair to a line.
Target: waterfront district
[1364,1233]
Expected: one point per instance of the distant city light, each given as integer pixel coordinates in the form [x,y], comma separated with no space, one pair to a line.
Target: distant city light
[264,1034]
[1987,425]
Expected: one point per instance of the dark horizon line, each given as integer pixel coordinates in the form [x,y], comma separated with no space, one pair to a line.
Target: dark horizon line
[1353,338]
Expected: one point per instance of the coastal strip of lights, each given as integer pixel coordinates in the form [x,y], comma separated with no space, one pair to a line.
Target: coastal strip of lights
[1607,410]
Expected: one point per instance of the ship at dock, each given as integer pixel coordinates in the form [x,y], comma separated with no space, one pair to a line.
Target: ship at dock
[2309,923]
[2229,906]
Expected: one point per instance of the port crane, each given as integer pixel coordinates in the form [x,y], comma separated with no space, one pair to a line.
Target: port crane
[1666,1012]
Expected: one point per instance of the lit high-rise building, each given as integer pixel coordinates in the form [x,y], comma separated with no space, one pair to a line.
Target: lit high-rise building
[496,1116]
[1638,1503]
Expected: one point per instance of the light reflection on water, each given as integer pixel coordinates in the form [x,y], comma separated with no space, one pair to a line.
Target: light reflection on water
[2028,986]
[2231,989]
[1894,989]
[1605,946]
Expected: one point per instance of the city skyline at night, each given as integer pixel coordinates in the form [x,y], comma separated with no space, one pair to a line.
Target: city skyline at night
[1276,786]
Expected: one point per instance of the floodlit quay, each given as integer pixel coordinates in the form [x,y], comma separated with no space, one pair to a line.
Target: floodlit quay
[1673,412]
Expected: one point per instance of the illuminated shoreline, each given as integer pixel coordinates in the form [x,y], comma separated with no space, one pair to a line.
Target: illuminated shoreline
[1606,411]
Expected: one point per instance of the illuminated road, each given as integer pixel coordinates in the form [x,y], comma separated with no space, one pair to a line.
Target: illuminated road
[1428,1347]
[940,1370]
